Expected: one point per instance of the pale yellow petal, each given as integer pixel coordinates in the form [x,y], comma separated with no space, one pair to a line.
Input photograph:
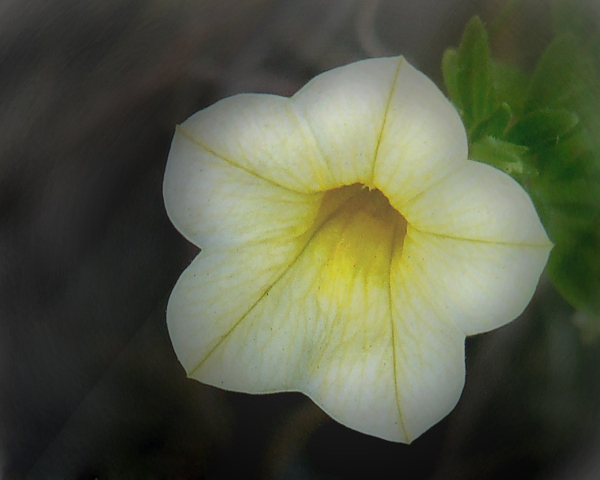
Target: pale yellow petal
[216,204]
[473,285]
[261,134]
[280,333]
[478,202]
[250,230]
[391,368]
[214,294]
[345,109]
[422,141]
[429,356]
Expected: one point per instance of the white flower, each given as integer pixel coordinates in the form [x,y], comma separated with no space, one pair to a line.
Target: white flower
[348,246]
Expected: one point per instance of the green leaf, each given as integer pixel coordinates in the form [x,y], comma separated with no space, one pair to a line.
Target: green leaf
[495,126]
[564,78]
[505,156]
[569,159]
[574,269]
[570,211]
[542,127]
[568,77]
[450,72]
[474,81]
[512,86]
[579,198]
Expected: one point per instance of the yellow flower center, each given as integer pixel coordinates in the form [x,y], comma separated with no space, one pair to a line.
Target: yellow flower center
[360,234]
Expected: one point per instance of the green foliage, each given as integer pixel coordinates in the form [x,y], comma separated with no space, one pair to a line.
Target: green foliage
[512,86]
[505,156]
[495,125]
[469,72]
[450,72]
[563,76]
[543,128]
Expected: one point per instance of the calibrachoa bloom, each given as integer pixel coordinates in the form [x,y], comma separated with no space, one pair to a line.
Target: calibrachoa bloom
[348,246]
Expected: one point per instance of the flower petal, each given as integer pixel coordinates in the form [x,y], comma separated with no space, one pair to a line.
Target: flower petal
[305,286]
[216,205]
[250,230]
[478,202]
[345,109]
[429,357]
[474,285]
[422,141]
[293,338]
[263,135]
[214,293]
[323,328]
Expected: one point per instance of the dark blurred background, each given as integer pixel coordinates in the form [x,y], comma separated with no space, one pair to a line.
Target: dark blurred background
[90,93]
